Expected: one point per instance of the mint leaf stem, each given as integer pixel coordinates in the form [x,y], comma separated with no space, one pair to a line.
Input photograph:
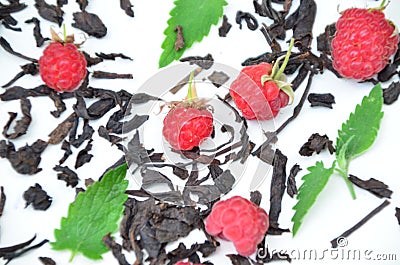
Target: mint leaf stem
[350,185]
[356,135]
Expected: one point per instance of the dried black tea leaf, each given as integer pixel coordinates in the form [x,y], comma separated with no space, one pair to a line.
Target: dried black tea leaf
[11,256]
[390,69]
[27,69]
[127,7]
[36,32]
[10,249]
[218,78]
[83,156]
[324,40]
[52,13]
[291,182]
[238,117]
[89,182]
[116,249]
[347,233]
[2,200]
[61,3]
[62,130]
[374,186]
[265,152]
[114,123]
[391,94]
[207,248]
[193,176]
[11,252]
[180,172]
[87,133]
[250,20]
[7,9]
[278,186]
[47,261]
[388,72]
[204,62]
[265,9]
[152,177]
[255,197]
[300,77]
[17,92]
[141,98]
[100,107]
[175,222]
[246,144]
[112,56]
[302,22]
[225,27]
[296,60]
[173,196]
[238,260]
[36,196]
[179,41]
[148,225]
[321,100]
[9,22]
[182,252]
[271,38]
[225,181]
[397,214]
[66,174]
[58,103]
[157,157]
[316,143]
[135,152]
[82,4]
[215,170]
[26,159]
[7,47]
[22,124]
[207,193]
[149,240]
[104,133]
[91,60]
[89,23]
[108,75]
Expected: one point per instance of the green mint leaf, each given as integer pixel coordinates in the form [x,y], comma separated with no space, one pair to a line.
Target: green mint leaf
[94,213]
[196,18]
[313,183]
[358,133]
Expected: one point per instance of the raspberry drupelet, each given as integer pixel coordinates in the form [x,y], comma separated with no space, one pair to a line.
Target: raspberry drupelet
[363,43]
[240,221]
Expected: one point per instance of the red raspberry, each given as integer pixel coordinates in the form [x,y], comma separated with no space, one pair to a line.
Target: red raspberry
[363,43]
[257,101]
[62,66]
[240,221]
[187,127]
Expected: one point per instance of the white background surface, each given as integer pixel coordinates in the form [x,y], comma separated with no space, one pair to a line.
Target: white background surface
[140,38]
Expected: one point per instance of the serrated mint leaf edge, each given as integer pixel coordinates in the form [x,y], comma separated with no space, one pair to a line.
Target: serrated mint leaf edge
[120,173]
[299,214]
[375,99]
[169,55]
